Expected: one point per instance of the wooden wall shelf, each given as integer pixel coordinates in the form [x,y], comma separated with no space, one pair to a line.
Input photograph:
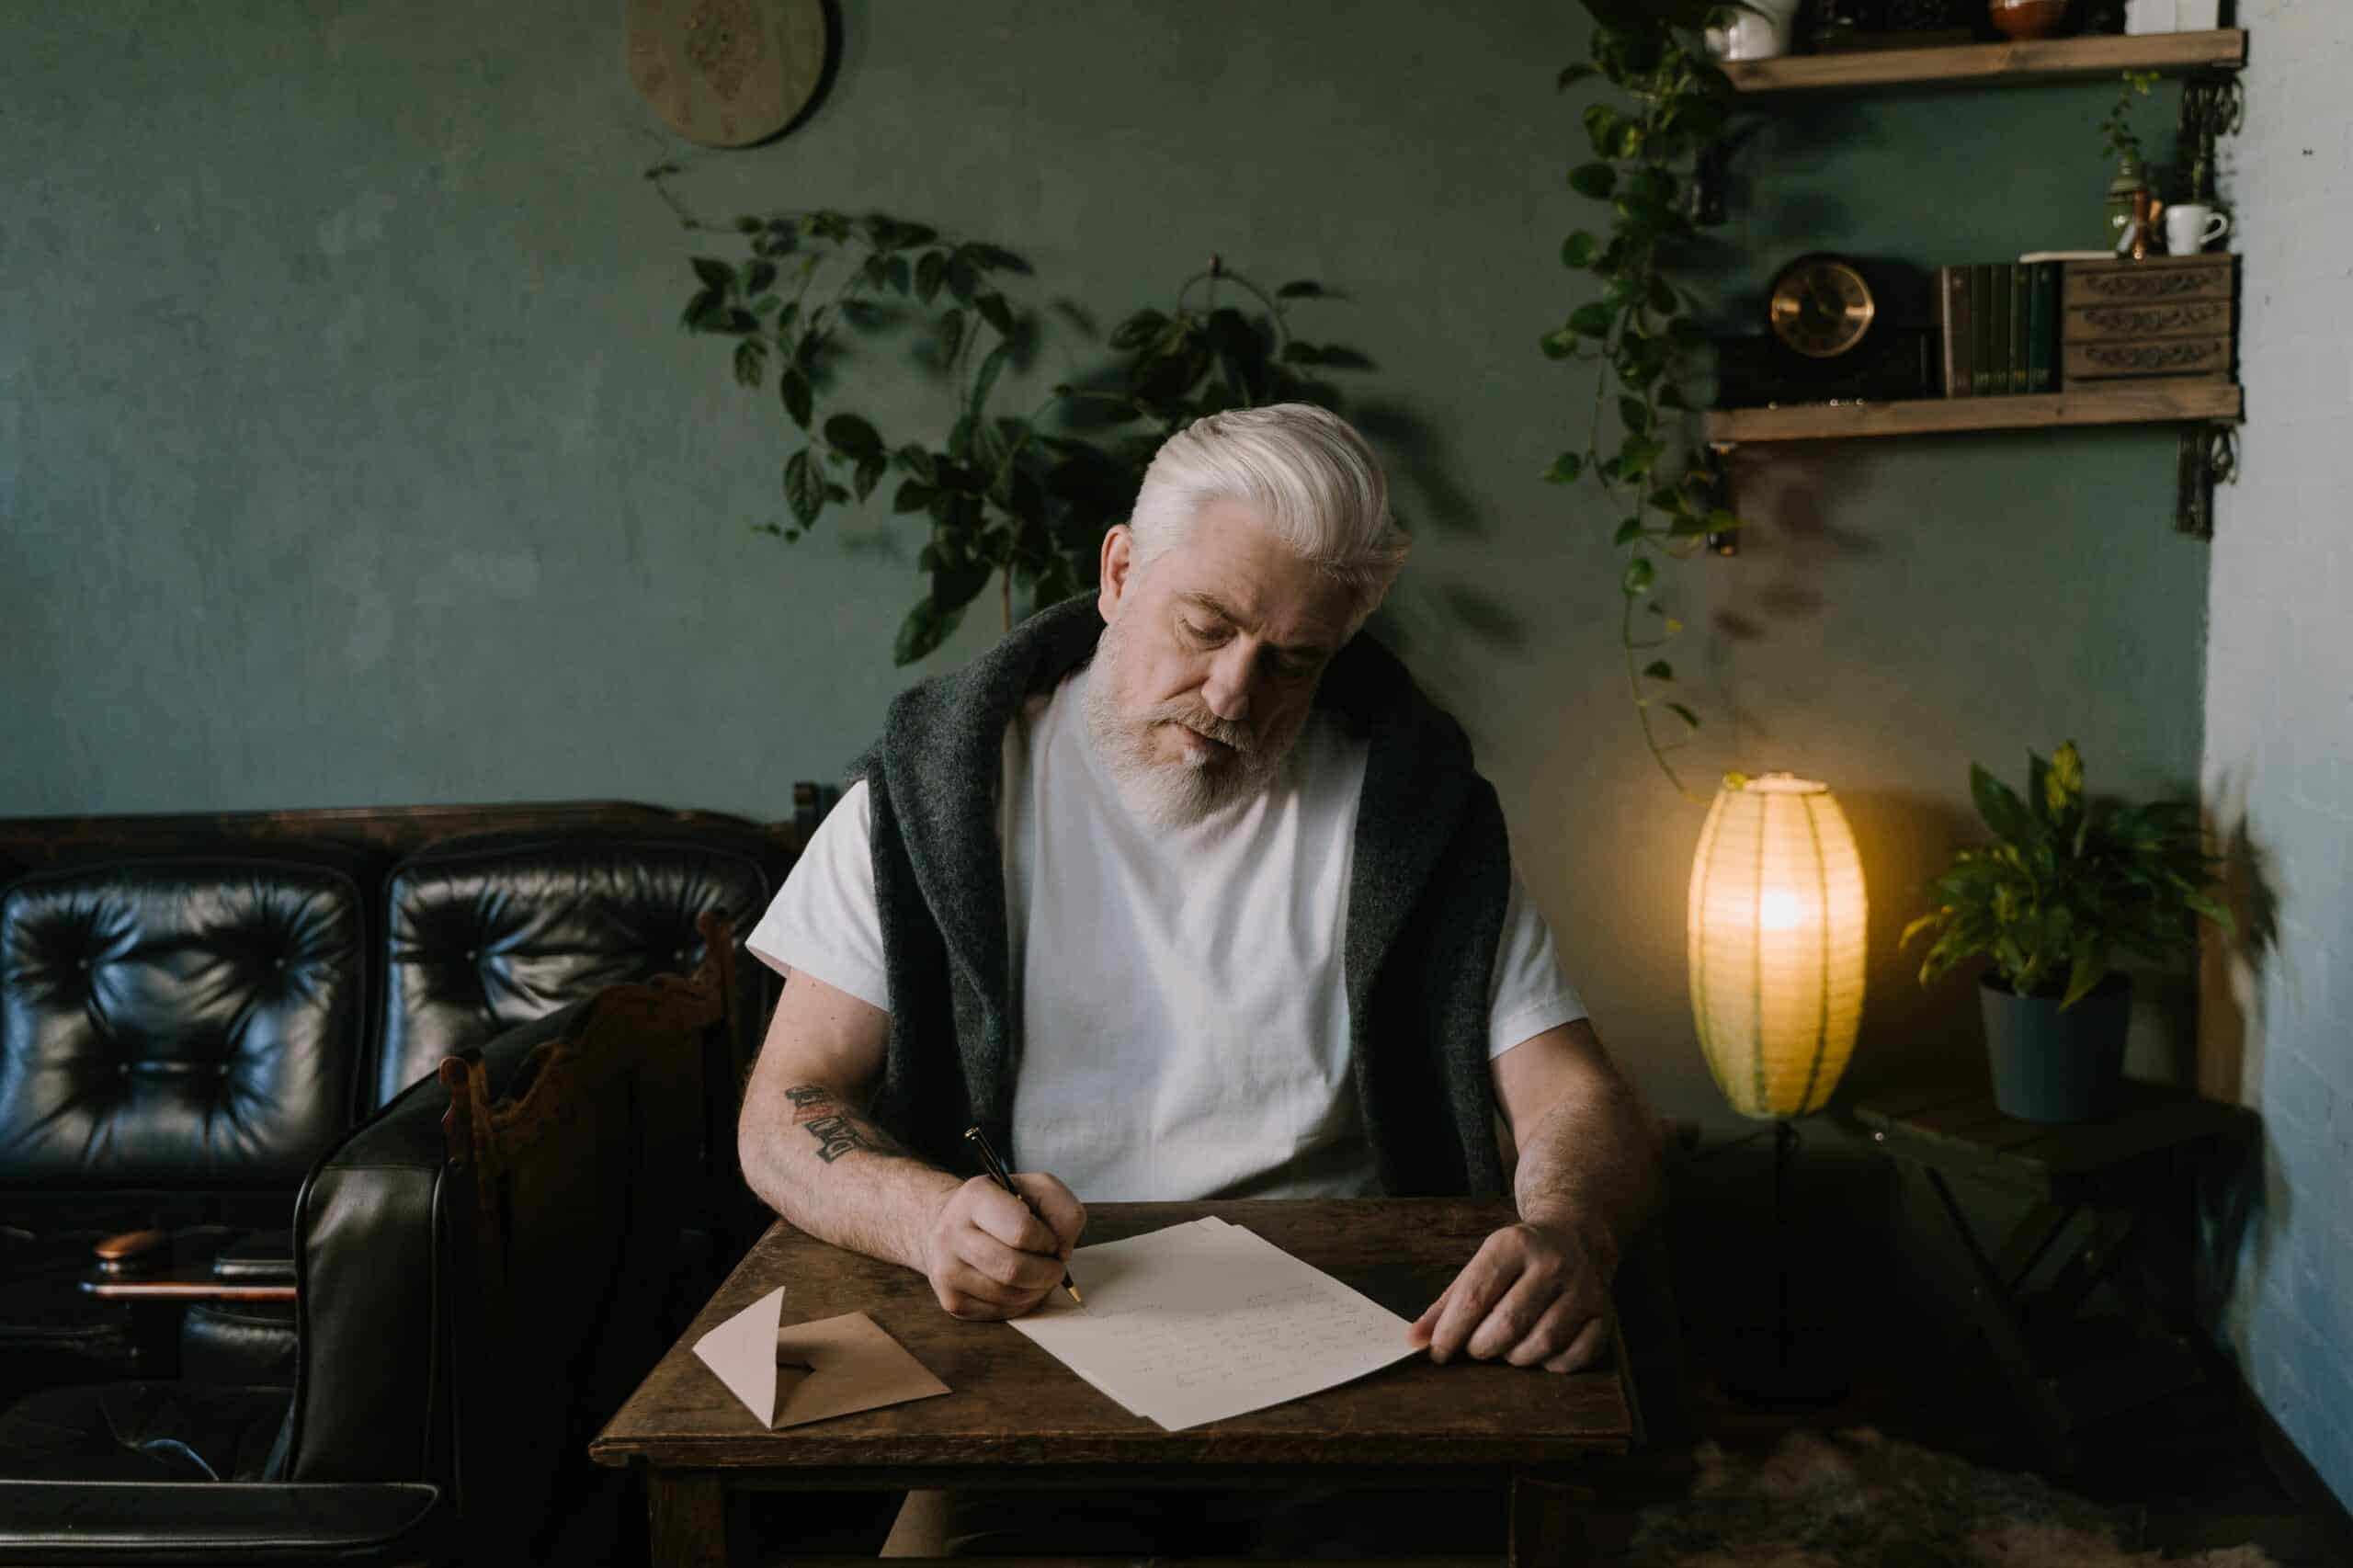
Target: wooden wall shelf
[1989,64]
[2149,403]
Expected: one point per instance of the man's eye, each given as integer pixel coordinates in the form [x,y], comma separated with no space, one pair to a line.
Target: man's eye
[1198,633]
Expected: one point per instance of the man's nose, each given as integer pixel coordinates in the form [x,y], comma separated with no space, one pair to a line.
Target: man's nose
[1227,690]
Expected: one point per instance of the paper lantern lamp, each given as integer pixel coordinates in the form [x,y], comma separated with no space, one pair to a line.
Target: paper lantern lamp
[1776,917]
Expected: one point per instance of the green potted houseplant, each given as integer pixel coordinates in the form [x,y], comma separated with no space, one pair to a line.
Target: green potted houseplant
[2069,883]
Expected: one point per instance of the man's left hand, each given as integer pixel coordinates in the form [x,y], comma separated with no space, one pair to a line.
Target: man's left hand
[1535,1295]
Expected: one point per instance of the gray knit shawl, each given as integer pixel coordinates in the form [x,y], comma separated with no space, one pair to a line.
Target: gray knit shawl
[1424,913]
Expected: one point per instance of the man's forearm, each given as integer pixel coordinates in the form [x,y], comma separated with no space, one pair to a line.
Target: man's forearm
[829,1170]
[1592,1162]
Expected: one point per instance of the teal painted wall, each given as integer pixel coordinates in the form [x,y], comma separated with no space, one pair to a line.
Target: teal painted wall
[350,451]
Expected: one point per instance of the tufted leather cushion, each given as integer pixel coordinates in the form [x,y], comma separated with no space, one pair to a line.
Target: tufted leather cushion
[482,938]
[175,1024]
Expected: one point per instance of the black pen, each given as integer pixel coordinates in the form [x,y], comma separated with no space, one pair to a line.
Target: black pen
[995,1167]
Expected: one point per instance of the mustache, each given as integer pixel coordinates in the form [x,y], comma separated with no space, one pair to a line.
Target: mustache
[1201,721]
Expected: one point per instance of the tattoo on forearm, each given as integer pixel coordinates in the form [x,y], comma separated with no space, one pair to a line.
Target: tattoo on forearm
[837,1131]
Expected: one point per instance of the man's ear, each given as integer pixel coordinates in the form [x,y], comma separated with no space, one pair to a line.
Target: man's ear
[1118,568]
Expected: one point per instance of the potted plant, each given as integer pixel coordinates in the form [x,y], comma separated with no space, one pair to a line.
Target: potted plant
[2069,883]
[2120,142]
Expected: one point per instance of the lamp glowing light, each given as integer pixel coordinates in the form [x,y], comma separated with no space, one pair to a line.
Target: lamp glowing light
[1775,943]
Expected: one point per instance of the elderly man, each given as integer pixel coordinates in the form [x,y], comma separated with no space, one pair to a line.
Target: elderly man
[1187,892]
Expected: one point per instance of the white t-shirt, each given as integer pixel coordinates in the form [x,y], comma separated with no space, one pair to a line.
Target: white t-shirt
[1181,1012]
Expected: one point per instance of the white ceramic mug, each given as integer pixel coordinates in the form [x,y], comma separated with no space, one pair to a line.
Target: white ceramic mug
[2190,227]
[1747,36]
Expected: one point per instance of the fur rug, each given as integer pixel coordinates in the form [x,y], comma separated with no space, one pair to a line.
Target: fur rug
[1856,1499]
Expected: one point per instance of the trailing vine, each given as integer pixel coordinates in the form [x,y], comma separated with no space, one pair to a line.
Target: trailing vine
[1638,333]
[1007,499]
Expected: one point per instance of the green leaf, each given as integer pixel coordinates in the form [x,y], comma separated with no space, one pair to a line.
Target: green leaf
[994,310]
[1558,343]
[793,387]
[1565,469]
[2001,808]
[1639,576]
[853,435]
[1661,297]
[2090,967]
[912,495]
[869,473]
[751,357]
[918,462]
[2063,785]
[1579,250]
[925,628]
[715,273]
[1591,319]
[1722,522]
[1635,414]
[1604,127]
[986,378]
[930,268]
[1629,530]
[1593,181]
[1572,75]
[1927,922]
[1683,714]
[1636,455]
[804,487]
[948,337]
[1299,289]
[1659,669]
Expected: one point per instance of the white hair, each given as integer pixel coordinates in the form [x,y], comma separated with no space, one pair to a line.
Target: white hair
[1305,468]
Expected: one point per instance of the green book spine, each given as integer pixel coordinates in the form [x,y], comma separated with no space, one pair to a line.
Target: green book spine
[1980,316]
[2042,334]
[2021,322]
[1952,296]
[1993,333]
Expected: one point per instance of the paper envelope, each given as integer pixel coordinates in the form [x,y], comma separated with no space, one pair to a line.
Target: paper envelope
[852,1364]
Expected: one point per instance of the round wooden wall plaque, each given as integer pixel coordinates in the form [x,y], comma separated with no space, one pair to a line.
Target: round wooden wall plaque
[726,73]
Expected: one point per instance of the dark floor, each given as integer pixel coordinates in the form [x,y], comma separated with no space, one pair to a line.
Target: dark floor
[2192,1461]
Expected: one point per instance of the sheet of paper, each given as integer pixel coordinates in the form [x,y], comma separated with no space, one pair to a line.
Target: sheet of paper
[789,1373]
[1207,1320]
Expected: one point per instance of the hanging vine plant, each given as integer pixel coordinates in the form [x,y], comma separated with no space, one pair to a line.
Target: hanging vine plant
[1007,499]
[1670,113]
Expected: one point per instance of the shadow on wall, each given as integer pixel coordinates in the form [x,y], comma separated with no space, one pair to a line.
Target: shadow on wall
[2243,1197]
[1912,1035]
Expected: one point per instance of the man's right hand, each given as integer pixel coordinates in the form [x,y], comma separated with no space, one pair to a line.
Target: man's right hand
[987,1257]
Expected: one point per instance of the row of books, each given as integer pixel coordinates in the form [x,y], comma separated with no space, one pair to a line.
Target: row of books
[2000,325]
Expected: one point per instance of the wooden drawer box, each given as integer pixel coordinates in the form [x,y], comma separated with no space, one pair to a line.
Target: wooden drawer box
[2161,279]
[2166,316]
[2178,357]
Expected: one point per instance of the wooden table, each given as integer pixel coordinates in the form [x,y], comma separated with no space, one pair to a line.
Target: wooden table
[1018,1418]
[2126,1177]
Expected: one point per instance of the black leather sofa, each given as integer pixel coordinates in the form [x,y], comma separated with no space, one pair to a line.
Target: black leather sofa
[422,1426]
[194,1009]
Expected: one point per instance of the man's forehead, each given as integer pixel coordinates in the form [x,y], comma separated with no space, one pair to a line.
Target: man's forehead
[1231,567]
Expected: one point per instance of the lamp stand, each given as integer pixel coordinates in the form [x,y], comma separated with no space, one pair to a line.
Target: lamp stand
[1780,1378]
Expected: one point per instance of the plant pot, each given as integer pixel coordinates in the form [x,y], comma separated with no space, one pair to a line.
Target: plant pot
[2025,19]
[2051,1065]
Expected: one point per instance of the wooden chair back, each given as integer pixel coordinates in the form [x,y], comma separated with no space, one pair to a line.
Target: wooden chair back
[566,1202]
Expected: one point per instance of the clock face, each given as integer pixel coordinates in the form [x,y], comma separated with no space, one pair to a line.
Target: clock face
[1821,307]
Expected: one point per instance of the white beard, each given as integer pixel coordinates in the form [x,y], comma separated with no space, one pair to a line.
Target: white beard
[1174,794]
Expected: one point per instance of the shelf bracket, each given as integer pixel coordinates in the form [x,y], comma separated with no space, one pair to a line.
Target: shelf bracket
[2209,454]
[1719,495]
